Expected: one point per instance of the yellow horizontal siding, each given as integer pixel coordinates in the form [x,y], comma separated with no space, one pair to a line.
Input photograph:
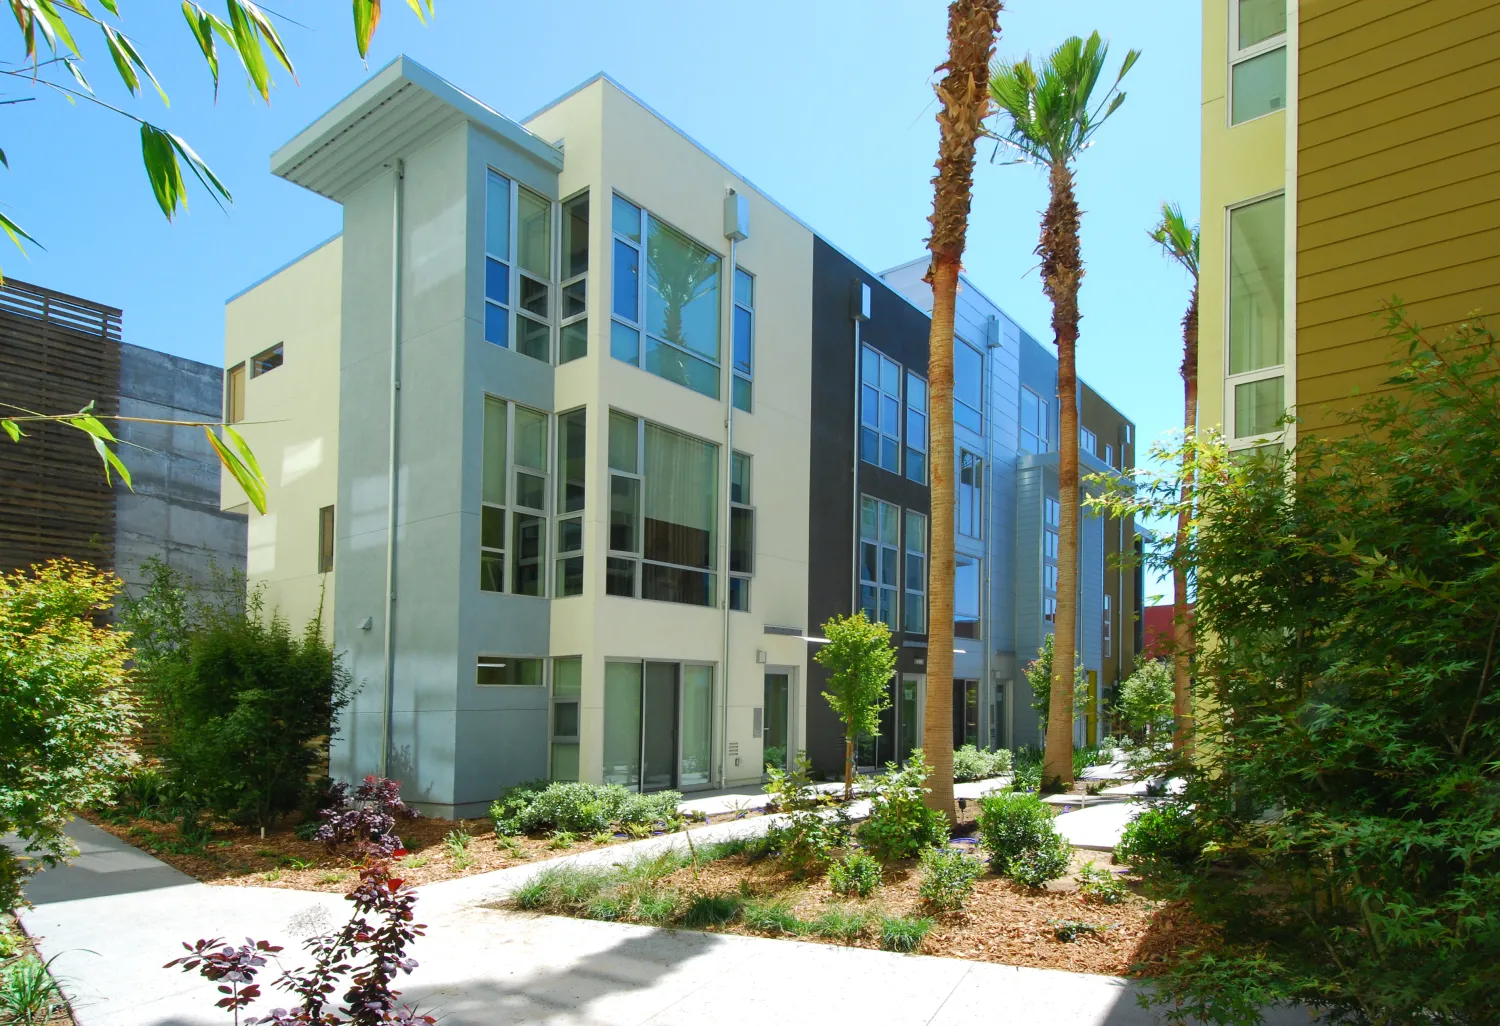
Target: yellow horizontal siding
[1386,34]
[1391,253]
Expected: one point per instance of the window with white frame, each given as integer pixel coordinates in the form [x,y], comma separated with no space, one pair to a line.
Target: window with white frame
[513,510]
[970,494]
[968,386]
[914,611]
[1108,630]
[741,532]
[518,268]
[744,339]
[1034,420]
[1257,58]
[1051,532]
[880,410]
[572,440]
[1088,441]
[666,321]
[573,335]
[916,427]
[1257,337]
[663,513]
[879,548]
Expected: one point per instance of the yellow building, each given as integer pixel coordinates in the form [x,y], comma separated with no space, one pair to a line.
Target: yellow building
[1351,155]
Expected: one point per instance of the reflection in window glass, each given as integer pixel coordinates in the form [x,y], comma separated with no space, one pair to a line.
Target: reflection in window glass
[968,386]
[1257,286]
[970,491]
[1259,20]
[1034,419]
[914,611]
[880,529]
[1259,406]
[534,233]
[682,291]
[965,597]
[880,410]
[916,428]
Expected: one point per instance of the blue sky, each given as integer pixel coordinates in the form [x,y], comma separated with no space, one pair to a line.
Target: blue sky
[824,104]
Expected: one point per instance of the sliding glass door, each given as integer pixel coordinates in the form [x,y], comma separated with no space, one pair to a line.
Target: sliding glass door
[658,725]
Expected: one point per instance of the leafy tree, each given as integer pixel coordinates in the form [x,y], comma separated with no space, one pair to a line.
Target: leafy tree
[1146,697]
[1047,118]
[972,28]
[1180,243]
[1341,826]
[245,708]
[1039,676]
[65,713]
[860,663]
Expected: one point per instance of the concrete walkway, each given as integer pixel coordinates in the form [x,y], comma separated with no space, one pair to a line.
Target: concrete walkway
[480,965]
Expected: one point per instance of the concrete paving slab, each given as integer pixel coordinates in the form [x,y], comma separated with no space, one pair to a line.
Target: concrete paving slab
[1138,788]
[104,866]
[1097,827]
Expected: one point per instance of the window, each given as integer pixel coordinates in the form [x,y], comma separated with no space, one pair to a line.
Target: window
[965,596]
[1088,441]
[741,533]
[234,394]
[916,428]
[517,292]
[663,514]
[1034,419]
[672,744]
[567,696]
[572,438]
[1107,634]
[667,321]
[880,410]
[744,338]
[968,386]
[879,528]
[1109,455]
[508,671]
[325,539]
[1257,337]
[1257,58]
[497,260]
[1051,522]
[573,337]
[1049,610]
[970,487]
[914,612]
[513,499]
[266,361]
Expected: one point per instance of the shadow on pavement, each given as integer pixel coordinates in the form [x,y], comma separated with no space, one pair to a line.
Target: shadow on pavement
[105,865]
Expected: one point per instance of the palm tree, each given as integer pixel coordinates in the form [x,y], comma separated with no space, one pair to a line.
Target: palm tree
[1180,243]
[1046,119]
[972,28]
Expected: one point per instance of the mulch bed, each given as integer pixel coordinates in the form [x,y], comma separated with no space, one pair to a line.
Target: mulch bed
[62,1014]
[240,857]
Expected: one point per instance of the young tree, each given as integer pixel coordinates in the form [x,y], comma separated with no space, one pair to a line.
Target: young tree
[1039,676]
[1180,243]
[860,663]
[65,712]
[1047,118]
[972,28]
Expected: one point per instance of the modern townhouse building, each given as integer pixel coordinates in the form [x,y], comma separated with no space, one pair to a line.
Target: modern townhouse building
[594,436]
[1351,155]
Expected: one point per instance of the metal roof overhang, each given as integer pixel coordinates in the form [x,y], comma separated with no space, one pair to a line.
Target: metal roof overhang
[396,112]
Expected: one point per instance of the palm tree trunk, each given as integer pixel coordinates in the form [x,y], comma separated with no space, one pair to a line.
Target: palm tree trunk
[964,95]
[1182,653]
[1062,270]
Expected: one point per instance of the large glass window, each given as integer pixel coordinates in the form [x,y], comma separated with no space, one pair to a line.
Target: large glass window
[1034,420]
[879,550]
[916,428]
[573,336]
[880,410]
[658,724]
[741,532]
[1257,336]
[914,610]
[513,499]
[970,494]
[744,338]
[965,596]
[567,698]
[622,724]
[517,293]
[1257,58]
[666,321]
[572,439]
[968,386]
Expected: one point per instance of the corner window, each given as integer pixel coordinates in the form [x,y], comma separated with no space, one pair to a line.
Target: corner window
[880,410]
[879,541]
[970,494]
[234,394]
[513,499]
[916,428]
[1034,420]
[266,361]
[1257,335]
[744,339]
[1257,58]
[573,336]
[508,671]
[965,596]
[914,610]
[325,540]
[968,386]
[572,438]
[517,268]
[567,697]
[741,533]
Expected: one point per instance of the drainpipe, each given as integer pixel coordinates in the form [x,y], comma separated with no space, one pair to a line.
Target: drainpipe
[398,177]
[736,229]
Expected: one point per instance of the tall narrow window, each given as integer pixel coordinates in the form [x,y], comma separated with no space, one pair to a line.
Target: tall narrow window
[623,564]
[1088,441]
[534,280]
[741,533]
[572,437]
[744,339]
[567,697]
[970,494]
[916,428]
[234,394]
[914,610]
[1051,521]
[968,386]
[497,260]
[879,549]
[573,337]
[880,410]
[965,596]
[1034,420]
[528,537]
[1257,336]
[492,508]
[622,724]
[1109,455]
[325,539]
[1257,58]
[1108,632]
[625,301]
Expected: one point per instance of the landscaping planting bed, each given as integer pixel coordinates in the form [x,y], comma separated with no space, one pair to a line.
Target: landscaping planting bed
[28,991]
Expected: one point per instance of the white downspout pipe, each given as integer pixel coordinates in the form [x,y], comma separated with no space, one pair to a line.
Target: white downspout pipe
[398,177]
[736,228]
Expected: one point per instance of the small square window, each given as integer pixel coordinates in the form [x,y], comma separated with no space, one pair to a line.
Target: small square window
[266,361]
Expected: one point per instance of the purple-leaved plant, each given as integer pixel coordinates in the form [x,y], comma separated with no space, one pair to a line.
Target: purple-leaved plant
[368,820]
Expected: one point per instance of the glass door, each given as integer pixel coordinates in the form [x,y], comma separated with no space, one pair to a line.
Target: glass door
[776,734]
[695,762]
[965,713]
[908,713]
[659,727]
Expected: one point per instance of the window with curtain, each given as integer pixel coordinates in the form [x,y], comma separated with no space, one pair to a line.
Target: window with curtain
[914,611]
[916,428]
[968,386]
[879,552]
[573,336]
[741,532]
[880,410]
[1257,334]
[567,700]
[572,439]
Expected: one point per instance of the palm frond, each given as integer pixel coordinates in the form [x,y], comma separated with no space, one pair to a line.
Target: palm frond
[1178,240]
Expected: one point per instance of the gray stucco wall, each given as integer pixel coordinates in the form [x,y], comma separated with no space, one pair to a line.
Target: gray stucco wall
[173,512]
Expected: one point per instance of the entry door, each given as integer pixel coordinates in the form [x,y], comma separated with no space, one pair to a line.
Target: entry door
[908,716]
[965,713]
[776,733]
[659,727]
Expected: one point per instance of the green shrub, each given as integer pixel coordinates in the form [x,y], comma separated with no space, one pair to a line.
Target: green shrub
[28,993]
[609,907]
[905,934]
[1161,843]
[705,910]
[855,874]
[1100,885]
[1027,775]
[841,923]
[1036,867]
[1012,823]
[656,807]
[948,877]
[771,915]
[971,763]
[581,808]
[513,802]
[1069,930]
[807,841]
[792,790]
[900,825]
